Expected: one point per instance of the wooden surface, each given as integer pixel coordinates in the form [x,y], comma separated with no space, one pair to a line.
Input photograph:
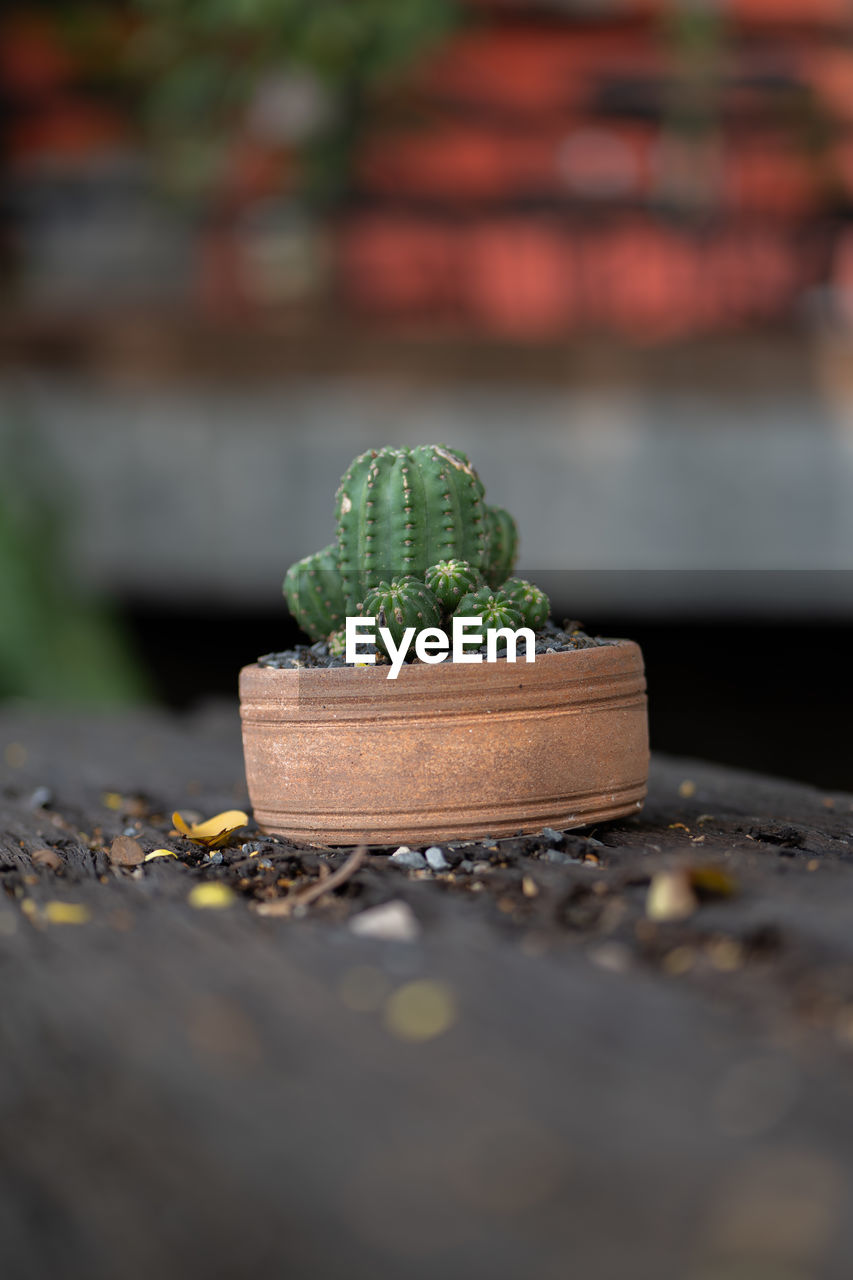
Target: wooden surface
[593,1093]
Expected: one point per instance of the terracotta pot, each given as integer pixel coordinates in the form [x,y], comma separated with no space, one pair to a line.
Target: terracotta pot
[343,755]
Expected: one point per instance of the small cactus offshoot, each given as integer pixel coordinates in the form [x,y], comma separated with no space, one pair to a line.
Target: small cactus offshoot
[338,644]
[314,593]
[532,603]
[405,602]
[450,580]
[492,607]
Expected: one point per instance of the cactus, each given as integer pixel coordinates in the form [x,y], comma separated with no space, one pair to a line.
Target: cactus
[405,602]
[492,607]
[502,546]
[532,603]
[314,593]
[399,511]
[450,580]
[338,644]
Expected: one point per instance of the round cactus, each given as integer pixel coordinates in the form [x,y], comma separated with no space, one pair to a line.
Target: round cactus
[492,607]
[401,510]
[450,580]
[338,644]
[314,593]
[532,603]
[502,545]
[404,602]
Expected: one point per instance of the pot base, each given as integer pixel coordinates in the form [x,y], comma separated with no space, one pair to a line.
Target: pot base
[321,829]
[341,756]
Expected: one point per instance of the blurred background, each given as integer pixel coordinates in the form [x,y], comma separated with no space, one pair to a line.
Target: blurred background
[604,246]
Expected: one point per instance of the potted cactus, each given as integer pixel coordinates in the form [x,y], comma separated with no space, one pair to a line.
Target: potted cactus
[386,729]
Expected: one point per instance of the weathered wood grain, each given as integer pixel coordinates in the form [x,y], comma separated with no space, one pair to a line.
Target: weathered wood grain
[216,1093]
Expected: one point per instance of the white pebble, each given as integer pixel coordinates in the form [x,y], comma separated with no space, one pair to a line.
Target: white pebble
[436,858]
[406,857]
[392,922]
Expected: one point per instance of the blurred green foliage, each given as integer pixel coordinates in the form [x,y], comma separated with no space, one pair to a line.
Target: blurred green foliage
[56,644]
[196,65]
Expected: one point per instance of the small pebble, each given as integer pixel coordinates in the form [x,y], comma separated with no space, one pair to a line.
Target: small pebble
[465,865]
[391,922]
[40,798]
[557,855]
[552,836]
[46,858]
[216,858]
[670,896]
[251,846]
[125,852]
[411,858]
[436,859]
[130,831]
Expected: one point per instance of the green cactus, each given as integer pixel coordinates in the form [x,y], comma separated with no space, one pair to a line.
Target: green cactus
[450,580]
[338,644]
[314,593]
[401,510]
[502,546]
[404,602]
[532,602]
[492,607]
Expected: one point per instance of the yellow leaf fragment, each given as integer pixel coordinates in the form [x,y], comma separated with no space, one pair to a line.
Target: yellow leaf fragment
[112,799]
[215,831]
[160,853]
[66,913]
[211,896]
[712,882]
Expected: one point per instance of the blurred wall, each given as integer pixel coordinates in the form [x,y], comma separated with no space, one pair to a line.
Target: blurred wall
[197,493]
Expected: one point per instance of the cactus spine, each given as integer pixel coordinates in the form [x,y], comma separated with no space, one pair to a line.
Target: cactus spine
[502,548]
[532,603]
[314,593]
[405,602]
[399,511]
[450,580]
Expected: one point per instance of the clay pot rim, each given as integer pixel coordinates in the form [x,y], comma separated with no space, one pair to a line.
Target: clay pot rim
[419,672]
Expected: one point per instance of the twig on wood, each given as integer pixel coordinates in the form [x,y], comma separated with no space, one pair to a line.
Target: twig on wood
[326,884]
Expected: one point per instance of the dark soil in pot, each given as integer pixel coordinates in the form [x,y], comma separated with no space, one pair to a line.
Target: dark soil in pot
[549,639]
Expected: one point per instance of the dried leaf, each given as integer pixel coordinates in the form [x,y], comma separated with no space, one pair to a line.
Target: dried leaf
[215,831]
[66,913]
[160,853]
[712,882]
